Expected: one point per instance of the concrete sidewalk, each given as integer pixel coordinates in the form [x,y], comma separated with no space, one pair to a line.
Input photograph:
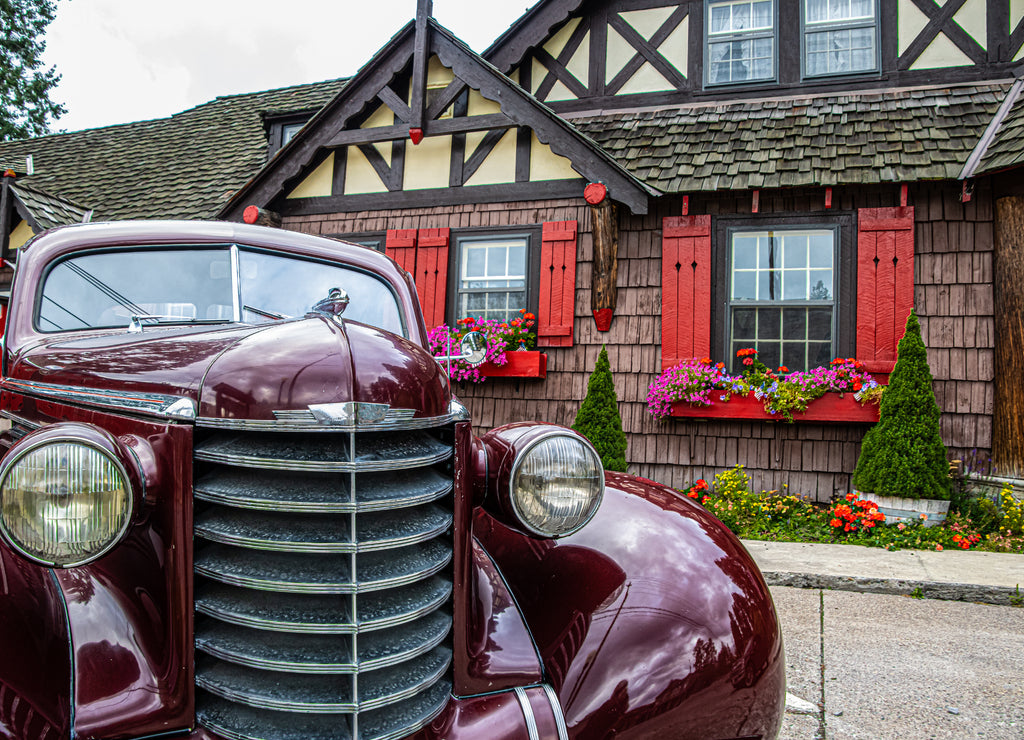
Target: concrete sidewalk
[992,578]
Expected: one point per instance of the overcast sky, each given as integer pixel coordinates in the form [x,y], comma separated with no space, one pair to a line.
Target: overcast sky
[131,60]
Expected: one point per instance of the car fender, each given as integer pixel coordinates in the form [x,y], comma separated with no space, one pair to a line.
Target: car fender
[652,620]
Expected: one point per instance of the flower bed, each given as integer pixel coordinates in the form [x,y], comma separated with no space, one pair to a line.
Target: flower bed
[503,341]
[697,388]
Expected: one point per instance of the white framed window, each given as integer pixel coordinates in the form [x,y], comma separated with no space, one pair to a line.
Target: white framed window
[782,296]
[740,37]
[492,276]
[839,37]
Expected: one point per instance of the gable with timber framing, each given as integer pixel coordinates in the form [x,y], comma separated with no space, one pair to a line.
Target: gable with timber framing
[606,54]
[428,122]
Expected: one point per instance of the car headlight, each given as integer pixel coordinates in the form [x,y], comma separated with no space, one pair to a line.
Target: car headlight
[65,497]
[556,484]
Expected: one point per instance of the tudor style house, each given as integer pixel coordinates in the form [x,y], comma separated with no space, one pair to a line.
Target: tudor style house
[677,179]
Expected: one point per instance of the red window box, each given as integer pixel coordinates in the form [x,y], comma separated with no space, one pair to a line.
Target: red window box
[529,364]
[830,407]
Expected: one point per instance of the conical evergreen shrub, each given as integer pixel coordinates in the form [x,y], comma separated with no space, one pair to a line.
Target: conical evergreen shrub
[598,418]
[903,454]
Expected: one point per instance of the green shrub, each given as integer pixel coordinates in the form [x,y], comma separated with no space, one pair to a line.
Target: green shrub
[598,418]
[903,454]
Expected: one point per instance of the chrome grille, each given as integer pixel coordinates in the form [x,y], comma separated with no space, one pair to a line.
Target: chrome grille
[323,578]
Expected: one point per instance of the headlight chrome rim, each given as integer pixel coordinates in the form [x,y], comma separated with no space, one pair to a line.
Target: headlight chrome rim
[95,440]
[520,458]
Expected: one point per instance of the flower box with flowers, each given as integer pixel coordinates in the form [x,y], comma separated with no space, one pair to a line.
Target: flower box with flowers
[699,389]
[508,353]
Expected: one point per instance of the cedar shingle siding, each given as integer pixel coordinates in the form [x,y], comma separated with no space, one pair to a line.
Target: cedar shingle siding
[953,295]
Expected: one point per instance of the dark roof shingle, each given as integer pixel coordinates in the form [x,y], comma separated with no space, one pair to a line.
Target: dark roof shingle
[184,166]
[841,139]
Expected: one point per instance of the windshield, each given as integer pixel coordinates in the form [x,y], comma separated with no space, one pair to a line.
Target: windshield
[227,284]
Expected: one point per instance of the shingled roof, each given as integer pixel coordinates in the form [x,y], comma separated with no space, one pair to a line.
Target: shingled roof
[849,138]
[184,166]
[1007,148]
[44,210]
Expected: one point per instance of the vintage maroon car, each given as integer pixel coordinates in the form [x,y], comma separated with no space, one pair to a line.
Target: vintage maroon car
[230,510]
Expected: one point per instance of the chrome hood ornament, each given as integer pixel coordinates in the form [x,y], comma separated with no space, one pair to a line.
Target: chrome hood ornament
[333,305]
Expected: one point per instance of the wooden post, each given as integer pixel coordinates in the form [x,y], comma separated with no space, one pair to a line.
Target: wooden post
[1008,280]
[5,216]
[605,272]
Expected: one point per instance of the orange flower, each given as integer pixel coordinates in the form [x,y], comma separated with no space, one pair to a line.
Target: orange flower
[939,548]
[835,523]
[783,369]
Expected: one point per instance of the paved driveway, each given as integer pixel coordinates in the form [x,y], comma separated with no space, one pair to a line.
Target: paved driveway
[879,667]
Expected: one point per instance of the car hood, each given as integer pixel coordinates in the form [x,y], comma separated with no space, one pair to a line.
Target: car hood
[246,372]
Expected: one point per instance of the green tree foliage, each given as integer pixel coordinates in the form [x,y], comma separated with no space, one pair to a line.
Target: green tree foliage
[25,105]
[903,454]
[598,418]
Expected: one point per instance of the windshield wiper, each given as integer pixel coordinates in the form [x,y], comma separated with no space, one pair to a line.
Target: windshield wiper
[266,314]
[136,324]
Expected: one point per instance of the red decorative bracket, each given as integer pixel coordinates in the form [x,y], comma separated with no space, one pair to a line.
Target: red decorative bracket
[251,214]
[903,195]
[416,135]
[594,193]
[755,203]
[966,191]
[828,197]
[686,205]
[603,318]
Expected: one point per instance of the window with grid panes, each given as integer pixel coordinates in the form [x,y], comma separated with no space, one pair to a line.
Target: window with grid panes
[492,276]
[740,41]
[782,296]
[840,37]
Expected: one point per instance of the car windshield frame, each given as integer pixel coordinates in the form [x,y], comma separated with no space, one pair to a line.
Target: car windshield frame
[392,317]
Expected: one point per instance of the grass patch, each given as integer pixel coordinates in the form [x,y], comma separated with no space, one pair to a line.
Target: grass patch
[781,516]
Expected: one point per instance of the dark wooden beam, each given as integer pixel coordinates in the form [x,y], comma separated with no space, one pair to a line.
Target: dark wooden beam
[391,99]
[558,68]
[605,272]
[5,216]
[483,149]
[418,105]
[433,128]
[446,98]
[508,193]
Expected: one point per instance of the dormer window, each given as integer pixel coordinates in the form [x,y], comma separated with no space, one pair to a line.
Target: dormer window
[740,41]
[840,37]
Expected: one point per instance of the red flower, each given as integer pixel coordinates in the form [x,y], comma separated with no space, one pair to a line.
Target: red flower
[835,523]
[748,361]
[783,369]
[939,548]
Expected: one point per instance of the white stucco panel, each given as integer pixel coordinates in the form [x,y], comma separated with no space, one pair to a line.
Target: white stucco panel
[428,164]
[360,177]
[647,22]
[618,54]
[558,41]
[500,165]
[1016,12]
[647,79]
[546,165]
[21,234]
[911,22]
[972,18]
[941,52]
[676,48]
[579,65]
[318,182]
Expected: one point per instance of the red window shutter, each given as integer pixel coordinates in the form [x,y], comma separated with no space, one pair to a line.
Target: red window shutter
[557,284]
[431,274]
[685,288]
[400,246]
[885,283]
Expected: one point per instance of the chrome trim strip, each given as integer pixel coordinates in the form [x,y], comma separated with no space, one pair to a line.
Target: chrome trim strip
[347,587]
[299,507]
[556,709]
[323,547]
[531,720]
[154,404]
[338,466]
[302,420]
[458,411]
[15,419]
